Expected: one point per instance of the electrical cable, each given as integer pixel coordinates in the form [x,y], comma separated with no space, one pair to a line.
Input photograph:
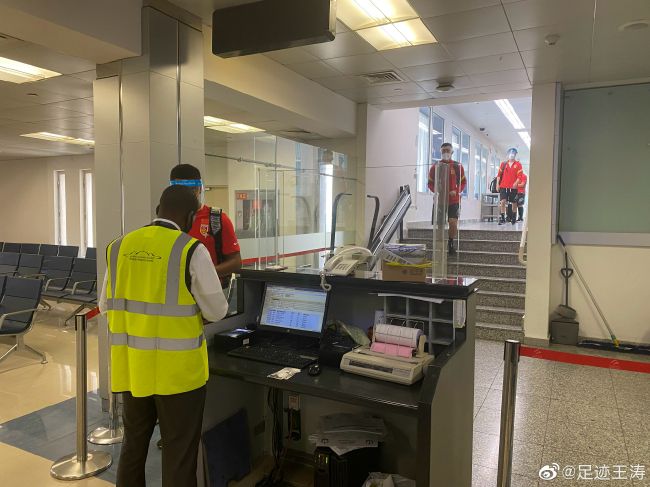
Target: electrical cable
[275,477]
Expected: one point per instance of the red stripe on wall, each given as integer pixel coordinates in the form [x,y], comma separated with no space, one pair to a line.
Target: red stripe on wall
[589,360]
[272,257]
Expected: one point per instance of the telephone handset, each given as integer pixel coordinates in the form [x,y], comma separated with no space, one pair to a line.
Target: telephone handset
[346,260]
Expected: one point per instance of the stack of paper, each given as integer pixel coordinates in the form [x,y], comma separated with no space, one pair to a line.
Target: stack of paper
[345,432]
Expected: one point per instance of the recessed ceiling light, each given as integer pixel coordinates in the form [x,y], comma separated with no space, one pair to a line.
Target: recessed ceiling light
[444,86]
[17,72]
[361,14]
[222,125]
[400,34]
[525,136]
[60,138]
[634,25]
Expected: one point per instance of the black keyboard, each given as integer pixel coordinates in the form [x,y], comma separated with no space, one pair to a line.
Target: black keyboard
[275,355]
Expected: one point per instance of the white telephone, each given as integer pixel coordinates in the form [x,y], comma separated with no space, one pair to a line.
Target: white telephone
[346,259]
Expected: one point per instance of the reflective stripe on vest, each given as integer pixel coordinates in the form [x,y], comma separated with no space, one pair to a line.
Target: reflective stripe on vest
[171,306]
[156,343]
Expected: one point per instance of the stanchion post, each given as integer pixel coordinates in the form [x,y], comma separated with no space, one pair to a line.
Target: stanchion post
[508,400]
[82,463]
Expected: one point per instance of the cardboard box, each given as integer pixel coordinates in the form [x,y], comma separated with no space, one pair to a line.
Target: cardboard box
[392,271]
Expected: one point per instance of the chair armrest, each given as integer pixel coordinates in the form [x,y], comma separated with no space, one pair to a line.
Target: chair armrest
[12,273]
[13,313]
[74,288]
[47,284]
[29,276]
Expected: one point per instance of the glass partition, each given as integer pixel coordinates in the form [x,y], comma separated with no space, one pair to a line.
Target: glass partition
[283,196]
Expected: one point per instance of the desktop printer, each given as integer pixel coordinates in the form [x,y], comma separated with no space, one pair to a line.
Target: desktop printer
[396,354]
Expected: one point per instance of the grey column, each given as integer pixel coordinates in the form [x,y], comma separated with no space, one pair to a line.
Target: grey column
[148,118]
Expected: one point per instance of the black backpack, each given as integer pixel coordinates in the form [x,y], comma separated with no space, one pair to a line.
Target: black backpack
[493,185]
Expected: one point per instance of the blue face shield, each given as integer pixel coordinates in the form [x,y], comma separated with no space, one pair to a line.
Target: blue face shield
[190,183]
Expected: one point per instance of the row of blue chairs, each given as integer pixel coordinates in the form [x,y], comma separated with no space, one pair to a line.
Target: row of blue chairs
[19,299]
[47,249]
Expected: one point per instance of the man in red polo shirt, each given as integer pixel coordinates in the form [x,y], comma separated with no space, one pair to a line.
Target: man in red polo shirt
[521,195]
[508,184]
[457,183]
[211,226]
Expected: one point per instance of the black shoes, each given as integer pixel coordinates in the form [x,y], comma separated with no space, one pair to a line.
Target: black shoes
[451,248]
[502,221]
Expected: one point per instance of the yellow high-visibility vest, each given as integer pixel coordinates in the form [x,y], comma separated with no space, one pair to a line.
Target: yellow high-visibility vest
[156,327]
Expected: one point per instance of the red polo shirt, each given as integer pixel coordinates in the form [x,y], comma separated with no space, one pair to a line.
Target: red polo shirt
[523,181]
[201,231]
[509,174]
[453,180]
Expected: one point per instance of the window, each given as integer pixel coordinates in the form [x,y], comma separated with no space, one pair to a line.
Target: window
[437,135]
[478,150]
[484,161]
[88,235]
[424,142]
[60,236]
[460,143]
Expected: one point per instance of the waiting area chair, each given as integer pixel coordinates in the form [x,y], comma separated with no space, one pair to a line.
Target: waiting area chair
[56,271]
[68,251]
[30,265]
[81,286]
[9,262]
[19,302]
[49,249]
[11,247]
[91,253]
[29,248]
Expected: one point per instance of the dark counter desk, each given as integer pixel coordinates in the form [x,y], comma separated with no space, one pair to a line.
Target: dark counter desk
[430,422]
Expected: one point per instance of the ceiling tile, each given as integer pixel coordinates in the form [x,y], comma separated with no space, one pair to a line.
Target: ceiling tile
[500,77]
[536,13]
[80,105]
[472,23]
[433,71]
[314,69]
[547,58]
[340,27]
[482,46]
[459,82]
[86,75]
[291,56]
[67,85]
[506,87]
[343,82]
[573,73]
[433,8]
[358,95]
[30,93]
[36,113]
[394,89]
[345,44]
[488,64]
[616,55]
[378,101]
[576,35]
[45,58]
[7,42]
[366,63]
[455,93]
[416,55]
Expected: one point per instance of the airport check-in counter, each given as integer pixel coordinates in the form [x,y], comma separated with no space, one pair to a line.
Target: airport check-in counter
[429,423]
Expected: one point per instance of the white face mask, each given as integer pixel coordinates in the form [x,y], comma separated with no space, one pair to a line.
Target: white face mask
[446,156]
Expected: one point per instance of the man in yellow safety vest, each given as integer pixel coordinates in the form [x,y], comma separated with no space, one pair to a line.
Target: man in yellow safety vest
[160,287]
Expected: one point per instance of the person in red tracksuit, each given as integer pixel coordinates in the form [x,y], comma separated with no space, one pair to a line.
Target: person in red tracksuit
[521,195]
[508,184]
[457,183]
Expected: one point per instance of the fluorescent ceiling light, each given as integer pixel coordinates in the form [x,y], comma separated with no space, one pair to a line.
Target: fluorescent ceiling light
[60,138]
[509,112]
[17,72]
[525,136]
[214,123]
[400,34]
[361,14]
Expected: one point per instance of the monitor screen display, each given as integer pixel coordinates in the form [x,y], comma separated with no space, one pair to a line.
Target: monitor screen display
[294,309]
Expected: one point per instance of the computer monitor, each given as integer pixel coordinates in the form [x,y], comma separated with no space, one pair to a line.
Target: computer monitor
[295,310]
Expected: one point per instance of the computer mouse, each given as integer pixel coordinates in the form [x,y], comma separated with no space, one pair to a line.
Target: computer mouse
[314,370]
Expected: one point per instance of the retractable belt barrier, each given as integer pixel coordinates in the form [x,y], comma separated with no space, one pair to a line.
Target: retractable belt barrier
[508,399]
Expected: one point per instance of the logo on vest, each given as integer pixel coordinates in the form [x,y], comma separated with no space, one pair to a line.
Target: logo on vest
[142,256]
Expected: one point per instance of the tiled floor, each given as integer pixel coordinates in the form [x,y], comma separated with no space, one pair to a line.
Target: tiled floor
[566,414]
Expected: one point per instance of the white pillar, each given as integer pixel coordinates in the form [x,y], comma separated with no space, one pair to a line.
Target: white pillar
[148,118]
[540,210]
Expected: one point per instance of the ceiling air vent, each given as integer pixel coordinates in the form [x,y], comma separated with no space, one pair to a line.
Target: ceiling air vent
[382,77]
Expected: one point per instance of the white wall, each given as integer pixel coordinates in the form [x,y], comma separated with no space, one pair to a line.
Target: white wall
[28,186]
[391,156]
[617,278]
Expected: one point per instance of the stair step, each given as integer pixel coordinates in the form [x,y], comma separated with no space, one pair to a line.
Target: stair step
[474,245]
[492,331]
[501,299]
[504,316]
[501,284]
[488,270]
[500,235]
[480,257]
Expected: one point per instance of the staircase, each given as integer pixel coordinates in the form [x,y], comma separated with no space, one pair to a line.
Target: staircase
[491,256]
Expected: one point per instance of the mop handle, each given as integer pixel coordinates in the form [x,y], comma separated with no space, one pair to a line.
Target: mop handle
[591,295]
